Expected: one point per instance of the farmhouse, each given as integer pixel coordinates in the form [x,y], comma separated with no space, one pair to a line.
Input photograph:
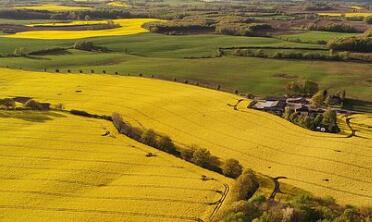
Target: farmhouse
[276,105]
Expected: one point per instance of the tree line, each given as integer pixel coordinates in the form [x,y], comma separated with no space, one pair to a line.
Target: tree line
[196,155]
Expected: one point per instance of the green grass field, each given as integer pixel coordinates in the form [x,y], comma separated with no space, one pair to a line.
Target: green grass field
[25,21]
[164,56]
[315,36]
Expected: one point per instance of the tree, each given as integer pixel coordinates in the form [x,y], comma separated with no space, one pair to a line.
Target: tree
[287,113]
[232,168]
[368,20]
[318,99]
[246,185]
[8,103]
[235,217]
[330,120]
[166,144]
[310,87]
[293,89]
[187,154]
[202,157]
[83,45]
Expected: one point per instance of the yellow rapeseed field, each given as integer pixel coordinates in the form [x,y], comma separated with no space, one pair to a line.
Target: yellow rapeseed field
[72,23]
[322,163]
[117,4]
[348,14]
[54,7]
[59,167]
[128,27]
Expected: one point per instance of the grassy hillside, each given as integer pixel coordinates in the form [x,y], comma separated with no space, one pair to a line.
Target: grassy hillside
[171,57]
[316,36]
[58,167]
[324,164]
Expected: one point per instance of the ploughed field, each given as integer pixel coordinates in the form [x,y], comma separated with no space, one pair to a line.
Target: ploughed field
[324,164]
[59,167]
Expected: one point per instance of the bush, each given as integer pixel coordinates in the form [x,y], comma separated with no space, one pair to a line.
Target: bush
[166,144]
[148,137]
[235,217]
[357,44]
[125,128]
[187,154]
[305,88]
[334,28]
[202,157]
[368,20]
[34,105]
[232,168]
[7,103]
[330,120]
[245,186]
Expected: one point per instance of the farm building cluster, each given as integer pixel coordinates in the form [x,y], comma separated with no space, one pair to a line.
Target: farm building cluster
[298,109]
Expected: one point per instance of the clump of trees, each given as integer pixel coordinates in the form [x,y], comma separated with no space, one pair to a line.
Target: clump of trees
[326,121]
[334,28]
[232,168]
[7,103]
[304,88]
[87,46]
[368,20]
[30,104]
[356,44]
[324,98]
[300,207]
[245,186]
[293,54]
[317,6]
[35,105]
[180,27]
[243,29]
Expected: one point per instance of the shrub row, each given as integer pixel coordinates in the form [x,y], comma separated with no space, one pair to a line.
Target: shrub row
[199,156]
[86,114]
[334,28]
[342,56]
[31,104]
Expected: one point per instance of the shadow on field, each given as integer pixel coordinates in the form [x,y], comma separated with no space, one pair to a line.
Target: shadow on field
[31,116]
[358,105]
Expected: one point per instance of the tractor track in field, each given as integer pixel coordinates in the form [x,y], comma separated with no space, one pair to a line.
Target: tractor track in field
[331,188]
[80,183]
[107,212]
[151,199]
[97,172]
[88,161]
[68,150]
[220,201]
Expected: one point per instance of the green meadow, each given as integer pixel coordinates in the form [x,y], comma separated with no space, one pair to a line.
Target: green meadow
[193,58]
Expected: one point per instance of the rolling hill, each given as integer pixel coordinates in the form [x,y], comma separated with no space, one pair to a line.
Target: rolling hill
[60,167]
[324,164]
